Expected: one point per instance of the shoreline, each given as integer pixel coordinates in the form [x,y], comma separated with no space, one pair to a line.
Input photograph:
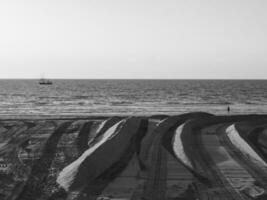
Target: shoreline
[106,116]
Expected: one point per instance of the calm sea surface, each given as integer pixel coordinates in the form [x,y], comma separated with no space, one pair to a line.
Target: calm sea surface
[139,97]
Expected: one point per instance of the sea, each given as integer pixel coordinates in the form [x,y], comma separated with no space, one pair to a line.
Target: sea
[131,97]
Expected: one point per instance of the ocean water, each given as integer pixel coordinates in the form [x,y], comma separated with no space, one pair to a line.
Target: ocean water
[135,97]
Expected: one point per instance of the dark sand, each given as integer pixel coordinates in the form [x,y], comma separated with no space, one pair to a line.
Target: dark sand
[133,157]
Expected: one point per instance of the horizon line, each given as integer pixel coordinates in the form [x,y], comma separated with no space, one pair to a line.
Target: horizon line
[136,78]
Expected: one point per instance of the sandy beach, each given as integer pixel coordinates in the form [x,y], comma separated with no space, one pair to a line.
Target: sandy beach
[133,100]
[189,156]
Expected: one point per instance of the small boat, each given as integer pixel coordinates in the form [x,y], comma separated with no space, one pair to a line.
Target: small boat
[43,81]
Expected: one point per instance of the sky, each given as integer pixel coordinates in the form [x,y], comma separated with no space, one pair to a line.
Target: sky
[155,39]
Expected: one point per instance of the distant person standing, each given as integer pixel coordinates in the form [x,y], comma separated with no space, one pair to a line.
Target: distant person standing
[228,109]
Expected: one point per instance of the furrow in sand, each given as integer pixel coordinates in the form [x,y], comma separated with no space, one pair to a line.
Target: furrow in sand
[22,139]
[261,143]
[37,180]
[74,176]
[243,146]
[230,161]
[176,155]
[197,125]
[155,186]
[14,133]
[179,179]
[33,140]
[82,139]
[225,190]
[257,171]
[86,177]
[96,133]
[141,152]
[255,139]
[66,152]
[120,180]
[204,166]
[10,154]
[252,132]
[124,182]
[179,152]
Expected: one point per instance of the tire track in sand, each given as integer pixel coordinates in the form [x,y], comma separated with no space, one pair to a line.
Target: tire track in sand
[257,172]
[156,164]
[36,182]
[82,139]
[202,160]
[156,184]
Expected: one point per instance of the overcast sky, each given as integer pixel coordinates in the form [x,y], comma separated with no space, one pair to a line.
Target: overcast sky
[133,39]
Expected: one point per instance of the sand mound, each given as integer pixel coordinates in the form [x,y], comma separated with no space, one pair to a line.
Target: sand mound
[101,156]
[178,147]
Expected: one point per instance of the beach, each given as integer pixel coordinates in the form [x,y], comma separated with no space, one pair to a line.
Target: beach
[133,100]
[188,156]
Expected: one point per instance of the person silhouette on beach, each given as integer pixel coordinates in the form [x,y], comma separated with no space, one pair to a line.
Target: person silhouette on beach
[228,109]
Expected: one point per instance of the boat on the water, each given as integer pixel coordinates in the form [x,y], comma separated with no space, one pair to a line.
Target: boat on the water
[43,81]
